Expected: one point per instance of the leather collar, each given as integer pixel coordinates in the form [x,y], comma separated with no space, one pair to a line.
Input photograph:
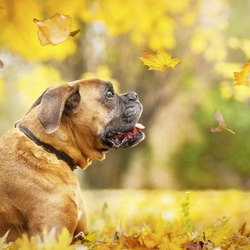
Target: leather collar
[59,154]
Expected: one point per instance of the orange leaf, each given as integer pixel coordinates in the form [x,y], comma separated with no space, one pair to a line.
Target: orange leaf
[54,30]
[1,64]
[159,61]
[134,243]
[222,123]
[243,77]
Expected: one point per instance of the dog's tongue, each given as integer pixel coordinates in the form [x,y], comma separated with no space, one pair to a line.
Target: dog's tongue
[130,134]
[139,126]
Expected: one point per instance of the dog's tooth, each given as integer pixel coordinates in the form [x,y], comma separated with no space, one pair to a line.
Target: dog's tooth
[139,125]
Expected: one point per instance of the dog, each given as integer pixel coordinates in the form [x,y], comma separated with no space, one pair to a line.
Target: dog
[68,126]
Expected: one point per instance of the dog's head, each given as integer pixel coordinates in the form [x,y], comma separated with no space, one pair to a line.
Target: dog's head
[92,113]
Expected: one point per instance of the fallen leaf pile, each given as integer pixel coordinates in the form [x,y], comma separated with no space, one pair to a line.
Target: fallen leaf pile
[159,219]
[159,61]
[55,30]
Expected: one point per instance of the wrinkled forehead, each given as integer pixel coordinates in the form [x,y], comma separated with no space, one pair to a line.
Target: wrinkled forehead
[90,82]
[73,83]
[91,86]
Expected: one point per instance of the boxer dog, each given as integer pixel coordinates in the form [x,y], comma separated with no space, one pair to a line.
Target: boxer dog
[68,126]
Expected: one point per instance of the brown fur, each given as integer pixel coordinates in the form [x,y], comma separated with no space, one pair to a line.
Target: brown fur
[39,191]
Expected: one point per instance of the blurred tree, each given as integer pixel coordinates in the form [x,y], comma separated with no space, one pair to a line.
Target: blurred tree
[178,104]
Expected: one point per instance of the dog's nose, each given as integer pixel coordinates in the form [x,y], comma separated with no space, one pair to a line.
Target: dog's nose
[132,96]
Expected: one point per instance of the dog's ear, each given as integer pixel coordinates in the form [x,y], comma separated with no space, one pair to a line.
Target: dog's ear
[53,102]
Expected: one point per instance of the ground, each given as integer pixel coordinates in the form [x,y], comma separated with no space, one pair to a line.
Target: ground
[159,219]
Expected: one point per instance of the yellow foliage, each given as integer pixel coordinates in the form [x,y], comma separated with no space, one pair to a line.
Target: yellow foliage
[143,21]
[217,218]
[102,72]
[226,91]
[246,46]
[161,37]
[19,32]
[74,8]
[226,68]
[241,93]
[188,19]
[146,23]
[236,43]
[233,42]
[210,42]
[49,242]
[33,84]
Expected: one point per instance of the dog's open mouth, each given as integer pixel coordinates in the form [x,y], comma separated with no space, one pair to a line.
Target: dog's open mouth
[125,139]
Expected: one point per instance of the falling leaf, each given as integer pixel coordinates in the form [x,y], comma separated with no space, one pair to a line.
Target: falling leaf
[1,64]
[222,123]
[159,61]
[243,77]
[55,30]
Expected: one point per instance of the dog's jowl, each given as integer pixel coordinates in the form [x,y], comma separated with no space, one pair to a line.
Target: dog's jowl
[67,127]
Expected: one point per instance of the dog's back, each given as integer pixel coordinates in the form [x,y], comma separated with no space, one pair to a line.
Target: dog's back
[11,218]
[35,188]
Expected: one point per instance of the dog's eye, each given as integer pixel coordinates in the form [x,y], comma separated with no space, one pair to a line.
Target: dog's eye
[110,94]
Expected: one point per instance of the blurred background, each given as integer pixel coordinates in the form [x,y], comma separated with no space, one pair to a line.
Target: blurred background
[211,36]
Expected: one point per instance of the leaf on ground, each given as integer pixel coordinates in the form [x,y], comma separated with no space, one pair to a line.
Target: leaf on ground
[55,29]
[3,241]
[1,64]
[193,246]
[243,77]
[134,243]
[242,228]
[159,61]
[63,241]
[222,123]
[91,237]
[199,245]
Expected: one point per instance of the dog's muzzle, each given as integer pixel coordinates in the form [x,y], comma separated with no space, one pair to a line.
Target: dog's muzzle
[124,130]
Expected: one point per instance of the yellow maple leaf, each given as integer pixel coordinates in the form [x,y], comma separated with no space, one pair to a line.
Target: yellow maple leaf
[55,29]
[243,77]
[159,61]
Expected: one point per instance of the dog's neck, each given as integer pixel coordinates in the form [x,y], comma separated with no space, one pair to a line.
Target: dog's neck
[66,139]
[59,154]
